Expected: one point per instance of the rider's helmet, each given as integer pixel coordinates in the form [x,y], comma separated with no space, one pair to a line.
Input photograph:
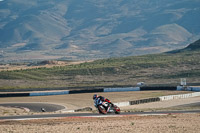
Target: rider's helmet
[94,96]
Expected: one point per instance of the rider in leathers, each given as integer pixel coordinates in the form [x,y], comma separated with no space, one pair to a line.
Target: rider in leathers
[97,98]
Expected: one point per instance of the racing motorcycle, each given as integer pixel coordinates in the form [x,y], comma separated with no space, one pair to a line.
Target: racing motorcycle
[105,107]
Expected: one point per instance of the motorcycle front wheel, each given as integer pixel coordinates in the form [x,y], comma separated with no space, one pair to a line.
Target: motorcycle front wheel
[102,110]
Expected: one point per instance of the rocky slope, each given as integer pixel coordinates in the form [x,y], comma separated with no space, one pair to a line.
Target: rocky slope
[90,29]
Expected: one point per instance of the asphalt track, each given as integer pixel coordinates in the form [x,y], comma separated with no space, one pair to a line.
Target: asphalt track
[36,107]
[197,104]
[85,115]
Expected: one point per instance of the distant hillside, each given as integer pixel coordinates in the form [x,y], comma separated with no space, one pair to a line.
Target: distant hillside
[194,46]
[153,69]
[93,29]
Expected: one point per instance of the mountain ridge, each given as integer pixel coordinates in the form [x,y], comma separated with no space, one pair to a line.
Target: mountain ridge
[92,29]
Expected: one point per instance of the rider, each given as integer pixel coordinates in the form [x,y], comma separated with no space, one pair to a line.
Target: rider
[96,99]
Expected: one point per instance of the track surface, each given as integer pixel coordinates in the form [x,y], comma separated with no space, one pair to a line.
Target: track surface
[91,115]
[197,104]
[36,107]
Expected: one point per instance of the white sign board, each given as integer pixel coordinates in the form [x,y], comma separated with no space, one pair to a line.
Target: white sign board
[183,81]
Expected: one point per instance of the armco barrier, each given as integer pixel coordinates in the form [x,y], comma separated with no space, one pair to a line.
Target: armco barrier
[181,96]
[144,101]
[14,95]
[122,104]
[85,91]
[146,88]
[121,89]
[45,93]
[188,88]
[49,93]
[195,88]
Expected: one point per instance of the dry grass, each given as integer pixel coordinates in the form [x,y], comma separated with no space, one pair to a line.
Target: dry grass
[12,67]
[158,69]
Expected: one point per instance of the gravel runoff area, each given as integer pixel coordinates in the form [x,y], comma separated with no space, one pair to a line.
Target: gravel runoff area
[170,123]
[147,124]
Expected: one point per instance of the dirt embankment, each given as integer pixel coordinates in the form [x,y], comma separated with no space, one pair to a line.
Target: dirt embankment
[178,123]
[9,111]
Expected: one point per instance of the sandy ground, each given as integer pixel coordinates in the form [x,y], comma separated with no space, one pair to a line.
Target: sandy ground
[9,67]
[9,111]
[171,123]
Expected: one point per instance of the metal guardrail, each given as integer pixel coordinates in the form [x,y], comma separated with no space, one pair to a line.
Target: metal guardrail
[120,89]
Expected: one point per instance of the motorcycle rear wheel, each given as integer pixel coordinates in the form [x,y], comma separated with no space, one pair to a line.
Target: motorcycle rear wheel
[117,109]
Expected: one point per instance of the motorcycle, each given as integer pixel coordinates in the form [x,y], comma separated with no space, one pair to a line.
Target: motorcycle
[105,107]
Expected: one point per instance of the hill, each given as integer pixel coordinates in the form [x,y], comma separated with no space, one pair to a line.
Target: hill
[165,68]
[194,46]
[93,29]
